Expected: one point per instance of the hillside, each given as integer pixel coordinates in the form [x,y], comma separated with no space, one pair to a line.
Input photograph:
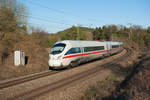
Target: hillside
[136,86]
[79,33]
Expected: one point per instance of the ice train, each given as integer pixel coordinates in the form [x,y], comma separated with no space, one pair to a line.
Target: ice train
[69,53]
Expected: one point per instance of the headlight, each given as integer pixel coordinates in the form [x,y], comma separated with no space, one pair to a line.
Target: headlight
[59,57]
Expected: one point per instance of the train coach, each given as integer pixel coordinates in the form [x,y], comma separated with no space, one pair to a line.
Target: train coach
[70,53]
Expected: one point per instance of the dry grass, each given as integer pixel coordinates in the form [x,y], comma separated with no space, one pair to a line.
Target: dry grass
[102,89]
[37,60]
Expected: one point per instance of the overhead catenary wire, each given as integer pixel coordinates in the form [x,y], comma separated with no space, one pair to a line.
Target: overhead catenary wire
[54,26]
[57,20]
[60,11]
[45,20]
[48,22]
[51,28]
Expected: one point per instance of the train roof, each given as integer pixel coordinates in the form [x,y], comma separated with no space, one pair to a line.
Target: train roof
[113,42]
[83,43]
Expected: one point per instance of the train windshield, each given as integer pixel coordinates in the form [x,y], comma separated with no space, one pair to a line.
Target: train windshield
[58,48]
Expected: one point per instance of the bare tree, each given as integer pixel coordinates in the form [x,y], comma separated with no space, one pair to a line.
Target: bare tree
[12,15]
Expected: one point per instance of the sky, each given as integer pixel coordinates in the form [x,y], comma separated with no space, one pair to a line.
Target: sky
[57,15]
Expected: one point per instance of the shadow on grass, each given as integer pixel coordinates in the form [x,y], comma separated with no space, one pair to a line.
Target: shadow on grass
[118,94]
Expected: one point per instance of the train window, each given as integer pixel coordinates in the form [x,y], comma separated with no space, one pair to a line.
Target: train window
[57,48]
[115,46]
[73,51]
[96,48]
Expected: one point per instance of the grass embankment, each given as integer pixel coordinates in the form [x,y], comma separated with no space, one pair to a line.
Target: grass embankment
[35,52]
[136,85]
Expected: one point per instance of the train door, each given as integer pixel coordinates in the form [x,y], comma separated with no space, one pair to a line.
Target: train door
[82,58]
[108,48]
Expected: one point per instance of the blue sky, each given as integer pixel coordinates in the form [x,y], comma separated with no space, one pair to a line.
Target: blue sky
[57,15]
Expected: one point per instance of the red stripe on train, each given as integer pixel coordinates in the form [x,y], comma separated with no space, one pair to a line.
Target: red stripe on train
[77,55]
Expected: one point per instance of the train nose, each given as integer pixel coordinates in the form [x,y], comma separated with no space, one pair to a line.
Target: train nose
[54,61]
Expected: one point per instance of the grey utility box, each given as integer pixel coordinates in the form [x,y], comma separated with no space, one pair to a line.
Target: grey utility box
[19,58]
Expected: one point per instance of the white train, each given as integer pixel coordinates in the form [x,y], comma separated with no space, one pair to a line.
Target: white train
[74,52]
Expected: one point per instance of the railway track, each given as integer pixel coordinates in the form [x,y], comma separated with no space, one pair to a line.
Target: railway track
[65,81]
[20,80]
[5,84]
